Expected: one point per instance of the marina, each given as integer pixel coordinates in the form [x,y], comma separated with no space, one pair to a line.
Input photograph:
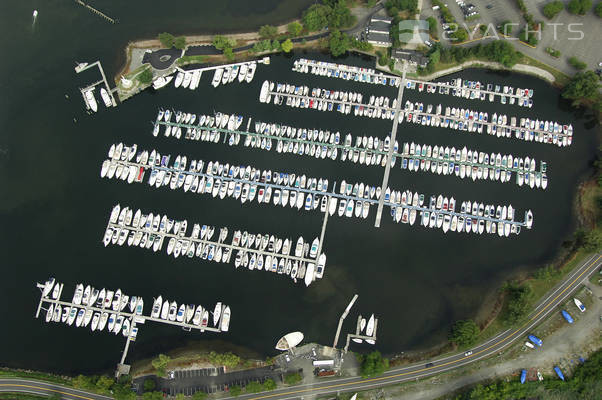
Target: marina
[452,117]
[251,251]
[106,93]
[458,88]
[119,313]
[246,183]
[365,150]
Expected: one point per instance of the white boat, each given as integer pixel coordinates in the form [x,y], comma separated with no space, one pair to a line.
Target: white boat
[105,97]
[289,341]
[251,72]
[179,79]
[217,311]
[91,100]
[370,329]
[158,303]
[48,287]
[162,81]
[217,77]
[309,274]
[579,305]
[225,319]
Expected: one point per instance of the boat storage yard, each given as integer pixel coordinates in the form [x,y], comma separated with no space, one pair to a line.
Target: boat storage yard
[302,260]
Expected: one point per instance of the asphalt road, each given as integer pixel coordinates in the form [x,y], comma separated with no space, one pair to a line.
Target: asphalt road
[410,372]
[46,389]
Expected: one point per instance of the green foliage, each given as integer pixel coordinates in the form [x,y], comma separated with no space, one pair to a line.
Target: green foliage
[315,18]
[517,302]
[295,28]
[402,5]
[229,53]
[579,7]
[338,43]
[293,378]
[598,9]
[221,42]
[577,63]
[84,382]
[583,86]
[180,396]
[445,13]
[340,16]
[228,359]
[269,384]
[166,39]
[361,45]
[149,385]
[546,273]
[593,241]
[552,9]
[260,47]
[275,45]
[460,35]
[464,333]
[199,59]
[253,387]
[370,3]
[483,29]
[199,395]
[54,396]
[506,27]
[152,396]
[104,383]
[529,37]
[373,364]
[287,46]
[235,390]
[553,52]
[268,32]
[521,5]
[433,30]
[160,363]
[180,42]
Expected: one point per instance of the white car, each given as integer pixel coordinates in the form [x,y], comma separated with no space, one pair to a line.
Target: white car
[468,353]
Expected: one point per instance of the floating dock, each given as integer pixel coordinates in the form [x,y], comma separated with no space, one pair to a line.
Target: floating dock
[97,12]
[379,107]
[463,163]
[253,251]
[190,78]
[91,103]
[458,88]
[247,183]
[99,308]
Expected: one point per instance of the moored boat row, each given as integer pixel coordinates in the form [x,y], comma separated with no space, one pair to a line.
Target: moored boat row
[230,73]
[252,251]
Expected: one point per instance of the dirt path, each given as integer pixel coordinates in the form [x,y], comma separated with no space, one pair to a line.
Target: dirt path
[567,343]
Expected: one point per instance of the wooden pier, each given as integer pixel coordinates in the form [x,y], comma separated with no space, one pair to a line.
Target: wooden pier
[379,210]
[97,12]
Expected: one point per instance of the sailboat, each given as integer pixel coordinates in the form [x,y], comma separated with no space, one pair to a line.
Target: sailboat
[370,329]
[217,311]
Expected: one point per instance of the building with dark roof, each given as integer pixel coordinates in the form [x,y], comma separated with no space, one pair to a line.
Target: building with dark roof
[377,32]
[413,58]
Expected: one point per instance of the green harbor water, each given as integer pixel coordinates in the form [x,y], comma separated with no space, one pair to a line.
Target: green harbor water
[54,205]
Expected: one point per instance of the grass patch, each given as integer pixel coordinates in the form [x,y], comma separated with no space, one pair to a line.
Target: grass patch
[561,79]
[21,396]
[41,376]
[200,59]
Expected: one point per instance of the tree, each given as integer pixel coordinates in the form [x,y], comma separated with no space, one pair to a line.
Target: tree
[268,31]
[338,43]
[294,28]
[235,390]
[152,396]
[149,385]
[160,363]
[517,304]
[373,364]
[577,63]
[229,53]
[506,27]
[166,39]
[180,396]
[269,384]
[432,26]
[228,359]
[552,9]
[315,17]
[221,42]
[253,387]
[583,86]
[464,333]
[83,382]
[593,241]
[275,45]
[340,16]
[104,383]
[287,45]
[579,7]
[598,9]
[180,42]
[199,395]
